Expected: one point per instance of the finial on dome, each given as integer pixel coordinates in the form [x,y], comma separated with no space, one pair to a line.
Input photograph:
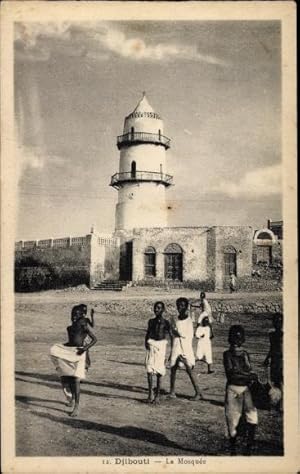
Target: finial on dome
[144,94]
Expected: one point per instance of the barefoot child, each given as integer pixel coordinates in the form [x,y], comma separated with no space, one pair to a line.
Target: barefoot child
[156,344]
[69,358]
[182,354]
[204,334]
[238,399]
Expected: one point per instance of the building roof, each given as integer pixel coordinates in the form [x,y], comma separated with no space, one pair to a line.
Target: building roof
[143,105]
[143,109]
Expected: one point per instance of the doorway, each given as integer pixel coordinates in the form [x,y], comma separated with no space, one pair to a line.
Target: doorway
[173,262]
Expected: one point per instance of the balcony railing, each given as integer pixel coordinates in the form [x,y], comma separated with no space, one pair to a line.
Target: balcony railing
[146,176]
[142,137]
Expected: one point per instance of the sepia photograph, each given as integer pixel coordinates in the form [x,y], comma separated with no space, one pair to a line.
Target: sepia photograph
[149,229]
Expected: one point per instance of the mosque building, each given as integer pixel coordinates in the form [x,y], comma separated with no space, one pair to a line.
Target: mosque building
[143,249]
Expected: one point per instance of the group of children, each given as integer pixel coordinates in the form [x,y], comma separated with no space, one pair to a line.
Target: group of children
[72,359]
[236,361]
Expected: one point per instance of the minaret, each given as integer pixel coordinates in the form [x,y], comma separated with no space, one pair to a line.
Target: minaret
[142,179]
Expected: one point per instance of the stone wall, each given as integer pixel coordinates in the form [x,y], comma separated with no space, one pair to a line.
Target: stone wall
[57,263]
[43,268]
[192,240]
[262,305]
[240,238]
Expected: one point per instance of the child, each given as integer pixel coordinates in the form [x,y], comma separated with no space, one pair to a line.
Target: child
[205,308]
[204,334]
[274,357]
[238,398]
[182,353]
[232,284]
[91,322]
[156,344]
[69,358]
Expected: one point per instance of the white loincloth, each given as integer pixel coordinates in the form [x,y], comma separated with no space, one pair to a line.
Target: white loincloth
[155,357]
[204,350]
[67,362]
[183,345]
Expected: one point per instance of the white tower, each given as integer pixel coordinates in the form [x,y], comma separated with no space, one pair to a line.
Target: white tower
[142,178]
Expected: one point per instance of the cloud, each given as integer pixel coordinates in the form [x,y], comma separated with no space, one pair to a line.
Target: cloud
[259,182]
[37,41]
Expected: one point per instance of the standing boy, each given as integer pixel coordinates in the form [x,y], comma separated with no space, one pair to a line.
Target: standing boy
[182,353]
[69,358]
[156,344]
[238,399]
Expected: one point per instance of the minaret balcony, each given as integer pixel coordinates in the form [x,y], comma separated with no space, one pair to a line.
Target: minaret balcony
[142,137]
[118,179]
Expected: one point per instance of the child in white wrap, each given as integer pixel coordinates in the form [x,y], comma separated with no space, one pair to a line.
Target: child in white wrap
[204,334]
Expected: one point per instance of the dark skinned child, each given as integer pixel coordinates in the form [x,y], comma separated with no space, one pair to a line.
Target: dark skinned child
[238,399]
[182,353]
[77,333]
[156,343]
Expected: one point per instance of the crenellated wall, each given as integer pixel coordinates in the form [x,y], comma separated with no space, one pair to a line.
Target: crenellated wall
[67,261]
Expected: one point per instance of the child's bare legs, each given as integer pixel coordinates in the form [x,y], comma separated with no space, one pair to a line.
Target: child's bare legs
[251,428]
[209,369]
[150,388]
[75,387]
[157,393]
[65,382]
[198,394]
[173,380]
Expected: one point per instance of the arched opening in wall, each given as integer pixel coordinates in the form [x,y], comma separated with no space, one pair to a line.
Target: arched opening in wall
[133,169]
[173,262]
[150,262]
[159,134]
[229,261]
[264,236]
[264,240]
[132,133]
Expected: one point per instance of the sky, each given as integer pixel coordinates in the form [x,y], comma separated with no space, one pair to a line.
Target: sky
[216,84]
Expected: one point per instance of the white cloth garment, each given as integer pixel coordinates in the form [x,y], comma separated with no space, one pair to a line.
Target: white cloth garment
[204,349]
[183,345]
[238,400]
[155,357]
[67,362]
[207,312]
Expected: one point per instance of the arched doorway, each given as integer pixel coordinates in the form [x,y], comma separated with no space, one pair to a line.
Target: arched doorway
[173,262]
[150,262]
[229,261]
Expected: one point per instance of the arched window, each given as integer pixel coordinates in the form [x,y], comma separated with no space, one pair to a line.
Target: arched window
[159,134]
[133,169]
[132,133]
[264,236]
[150,262]
[229,260]
[173,262]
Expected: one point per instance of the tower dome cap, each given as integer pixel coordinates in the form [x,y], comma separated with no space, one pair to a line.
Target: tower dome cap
[143,109]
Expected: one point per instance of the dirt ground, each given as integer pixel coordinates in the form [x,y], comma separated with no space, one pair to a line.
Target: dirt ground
[114,419]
